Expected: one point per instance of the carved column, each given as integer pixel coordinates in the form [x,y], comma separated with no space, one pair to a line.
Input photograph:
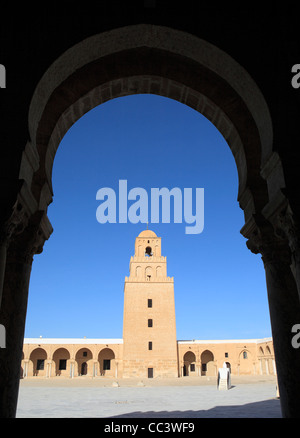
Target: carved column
[287,228]
[284,309]
[19,258]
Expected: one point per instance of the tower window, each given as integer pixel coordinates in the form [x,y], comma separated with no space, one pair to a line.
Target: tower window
[245,356]
[149,302]
[150,345]
[148,251]
[150,323]
[226,354]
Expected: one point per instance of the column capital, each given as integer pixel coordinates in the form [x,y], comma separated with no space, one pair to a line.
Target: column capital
[30,240]
[22,206]
[262,239]
[278,212]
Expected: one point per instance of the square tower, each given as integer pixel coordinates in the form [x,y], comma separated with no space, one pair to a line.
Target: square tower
[149,327]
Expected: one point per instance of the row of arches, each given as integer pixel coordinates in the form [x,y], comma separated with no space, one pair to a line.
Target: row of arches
[266,360]
[266,351]
[61,363]
[245,363]
[190,364]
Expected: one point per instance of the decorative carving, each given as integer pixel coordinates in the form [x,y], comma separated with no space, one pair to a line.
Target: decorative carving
[14,225]
[31,240]
[262,239]
[288,228]
[24,206]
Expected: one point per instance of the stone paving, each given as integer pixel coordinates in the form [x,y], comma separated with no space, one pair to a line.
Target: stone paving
[182,398]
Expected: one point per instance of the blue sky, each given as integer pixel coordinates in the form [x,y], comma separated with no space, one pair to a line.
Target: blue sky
[77,283]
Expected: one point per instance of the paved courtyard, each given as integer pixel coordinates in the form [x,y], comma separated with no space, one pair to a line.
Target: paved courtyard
[175,398]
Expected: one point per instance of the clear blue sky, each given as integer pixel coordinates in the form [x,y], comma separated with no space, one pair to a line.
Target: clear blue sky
[77,283]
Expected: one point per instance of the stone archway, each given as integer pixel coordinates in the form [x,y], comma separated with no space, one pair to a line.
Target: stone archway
[146,52]
[107,363]
[189,364]
[153,59]
[84,362]
[37,362]
[61,359]
[207,364]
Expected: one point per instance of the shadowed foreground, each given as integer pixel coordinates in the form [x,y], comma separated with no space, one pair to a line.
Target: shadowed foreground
[107,399]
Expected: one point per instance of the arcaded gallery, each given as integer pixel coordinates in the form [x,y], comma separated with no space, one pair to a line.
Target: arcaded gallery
[149,348]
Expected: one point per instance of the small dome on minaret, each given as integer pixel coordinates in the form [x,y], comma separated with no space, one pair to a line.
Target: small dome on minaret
[147,233]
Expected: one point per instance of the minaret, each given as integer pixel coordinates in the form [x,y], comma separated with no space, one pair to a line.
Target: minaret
[149,328]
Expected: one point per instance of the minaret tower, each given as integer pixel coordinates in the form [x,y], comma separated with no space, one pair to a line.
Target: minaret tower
[149,328]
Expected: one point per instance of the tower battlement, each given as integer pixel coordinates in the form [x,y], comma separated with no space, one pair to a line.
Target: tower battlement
[146,259]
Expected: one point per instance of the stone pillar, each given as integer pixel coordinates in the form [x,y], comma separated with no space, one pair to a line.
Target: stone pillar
[12,316]
[48,368]
[267,367]
[284,309]
[19,258]
[25,370]
[95,366]
[182,368]
[72,367]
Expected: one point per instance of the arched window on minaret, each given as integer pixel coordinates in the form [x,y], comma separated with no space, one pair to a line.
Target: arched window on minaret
[148,251]
[148,273]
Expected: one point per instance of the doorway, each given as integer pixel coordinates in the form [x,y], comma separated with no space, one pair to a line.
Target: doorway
[83,371]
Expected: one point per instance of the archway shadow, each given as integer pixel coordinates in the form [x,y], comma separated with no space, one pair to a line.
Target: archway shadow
[263,409]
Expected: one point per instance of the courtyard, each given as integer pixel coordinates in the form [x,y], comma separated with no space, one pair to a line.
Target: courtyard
[187,397]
